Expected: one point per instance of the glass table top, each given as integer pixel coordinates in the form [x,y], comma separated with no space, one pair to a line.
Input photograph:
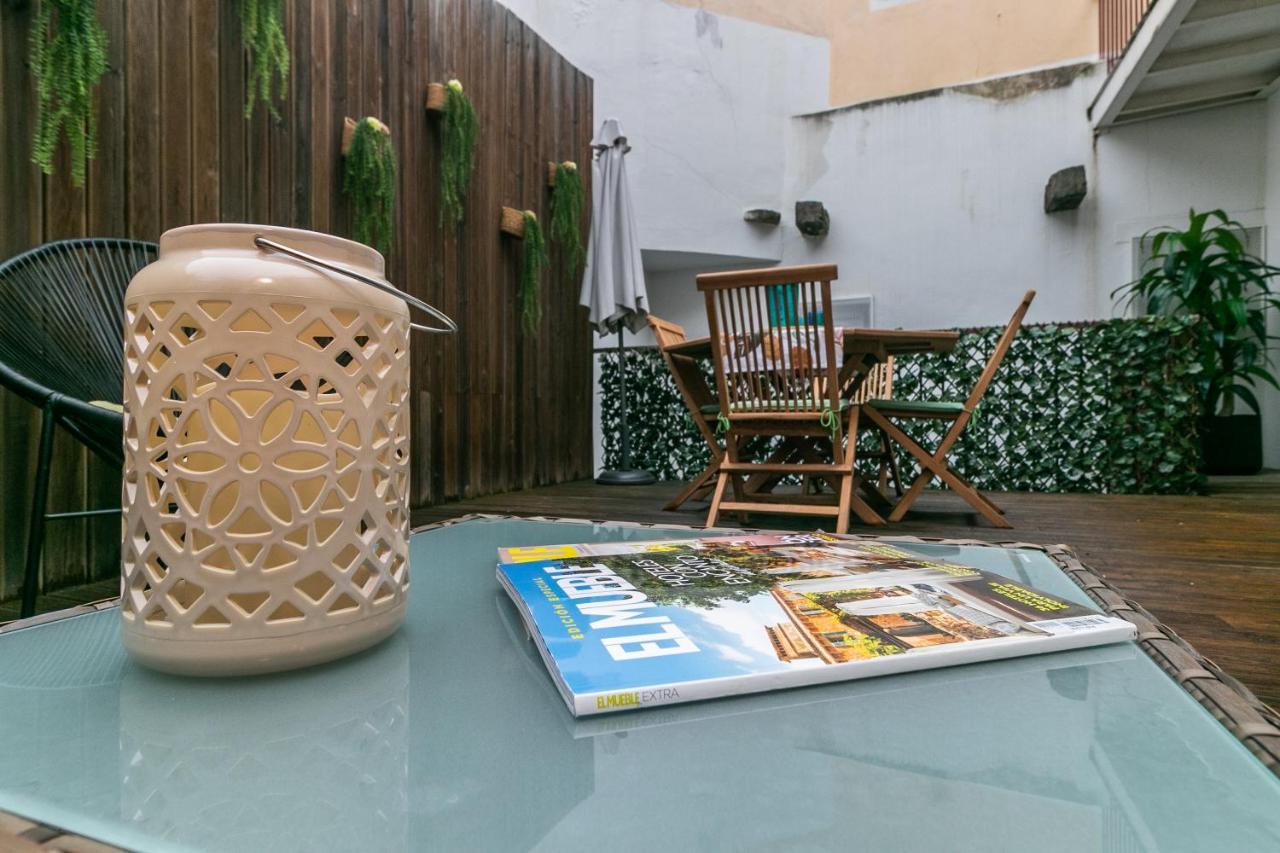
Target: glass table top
[451,736]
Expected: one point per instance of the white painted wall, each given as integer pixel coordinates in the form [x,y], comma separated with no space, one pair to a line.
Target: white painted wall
[936,204]
[704,100]
[1151,173]
[1270,396]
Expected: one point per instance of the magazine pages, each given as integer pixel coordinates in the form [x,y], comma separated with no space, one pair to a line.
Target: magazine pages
[627,625]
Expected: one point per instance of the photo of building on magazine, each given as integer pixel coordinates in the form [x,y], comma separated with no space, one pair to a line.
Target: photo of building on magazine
[616,616]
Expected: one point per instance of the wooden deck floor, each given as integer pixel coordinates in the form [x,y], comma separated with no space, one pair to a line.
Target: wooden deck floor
[1208,567]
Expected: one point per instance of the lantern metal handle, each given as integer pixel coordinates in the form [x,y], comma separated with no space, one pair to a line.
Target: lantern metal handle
[449,327]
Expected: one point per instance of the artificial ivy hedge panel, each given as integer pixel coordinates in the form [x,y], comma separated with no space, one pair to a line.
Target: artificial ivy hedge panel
[1096,407]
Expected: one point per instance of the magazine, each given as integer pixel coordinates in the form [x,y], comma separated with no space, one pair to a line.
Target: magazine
[637,624]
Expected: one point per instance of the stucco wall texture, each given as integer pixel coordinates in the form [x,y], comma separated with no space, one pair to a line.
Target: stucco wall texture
[883,48]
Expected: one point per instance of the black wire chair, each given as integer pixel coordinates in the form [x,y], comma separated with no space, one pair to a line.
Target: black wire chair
[61,349]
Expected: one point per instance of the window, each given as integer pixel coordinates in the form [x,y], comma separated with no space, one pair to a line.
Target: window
[853,312]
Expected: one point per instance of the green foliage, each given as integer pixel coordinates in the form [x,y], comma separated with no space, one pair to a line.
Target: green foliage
[68,58]
[262,30]
[872,647]
[566,213]
[535,260]
[708,595]
[1204,271]
[1098,407]
[369,180]
[458,156]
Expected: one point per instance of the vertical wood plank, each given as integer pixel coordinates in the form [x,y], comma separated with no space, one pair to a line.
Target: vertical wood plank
[232,128]
[324,134]
[299,107]
[142,70]
[175,114]
[281,151]
[528,156]
[106,180]
[509,260]
[205,110]
[416,133]
[20,184]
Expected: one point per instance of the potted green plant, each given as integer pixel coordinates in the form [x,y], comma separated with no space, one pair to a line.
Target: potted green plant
[458,153]
[68,58]
[533,262]
[1205,270]
[369,180]
[566,213]
[262,30]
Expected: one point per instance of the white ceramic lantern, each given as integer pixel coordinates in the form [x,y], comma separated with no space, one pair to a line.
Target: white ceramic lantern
[266,473]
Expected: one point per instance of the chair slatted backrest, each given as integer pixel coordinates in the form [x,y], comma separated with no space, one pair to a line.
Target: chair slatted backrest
[685,369]
[997,356]
[878,384]
[665,332]
[772,340]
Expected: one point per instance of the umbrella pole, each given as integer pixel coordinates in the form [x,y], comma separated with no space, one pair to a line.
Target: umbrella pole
[626,476]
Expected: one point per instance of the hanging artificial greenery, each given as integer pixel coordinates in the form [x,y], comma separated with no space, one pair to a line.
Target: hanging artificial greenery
[369,180]
[68,58]
[458,155]
[535,260]
[1040,428]
[566,213]
[262,30]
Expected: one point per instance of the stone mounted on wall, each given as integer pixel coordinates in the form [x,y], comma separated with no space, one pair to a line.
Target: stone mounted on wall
[1065,190]
[762,216]
[812,219]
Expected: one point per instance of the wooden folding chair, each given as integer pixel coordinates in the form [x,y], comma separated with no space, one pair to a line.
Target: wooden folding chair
[878,385]
[882,413]
[777,371]
[697,399]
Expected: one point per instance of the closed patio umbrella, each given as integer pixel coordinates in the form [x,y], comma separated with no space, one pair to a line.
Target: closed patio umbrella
[613,280]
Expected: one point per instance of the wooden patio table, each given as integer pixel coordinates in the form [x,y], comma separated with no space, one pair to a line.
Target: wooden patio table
[863,349]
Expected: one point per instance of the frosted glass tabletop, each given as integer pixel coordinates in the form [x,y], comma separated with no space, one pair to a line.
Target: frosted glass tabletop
[450,736]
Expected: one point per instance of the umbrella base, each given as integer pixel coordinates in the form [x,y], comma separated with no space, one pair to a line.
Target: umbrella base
[625,478]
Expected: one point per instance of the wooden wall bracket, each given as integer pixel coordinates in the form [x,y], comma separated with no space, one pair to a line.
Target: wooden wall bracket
[435,97]
[512,222]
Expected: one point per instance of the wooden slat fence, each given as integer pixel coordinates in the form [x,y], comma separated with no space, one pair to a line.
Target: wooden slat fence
[493,409]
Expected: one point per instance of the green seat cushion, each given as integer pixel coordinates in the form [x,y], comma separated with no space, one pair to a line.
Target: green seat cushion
[762,406]
[924,407]
[108,405]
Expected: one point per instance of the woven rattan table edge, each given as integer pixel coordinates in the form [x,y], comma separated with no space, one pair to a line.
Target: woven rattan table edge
[1255,724]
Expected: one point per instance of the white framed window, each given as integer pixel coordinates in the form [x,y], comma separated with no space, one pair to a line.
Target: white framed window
[853,312]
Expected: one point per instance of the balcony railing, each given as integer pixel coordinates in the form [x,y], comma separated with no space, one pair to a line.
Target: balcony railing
[1118,20]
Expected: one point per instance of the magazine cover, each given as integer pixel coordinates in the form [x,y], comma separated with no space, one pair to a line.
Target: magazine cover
[635,624]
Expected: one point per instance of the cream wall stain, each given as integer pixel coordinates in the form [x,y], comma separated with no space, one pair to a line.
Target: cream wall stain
[881,50]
